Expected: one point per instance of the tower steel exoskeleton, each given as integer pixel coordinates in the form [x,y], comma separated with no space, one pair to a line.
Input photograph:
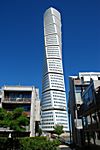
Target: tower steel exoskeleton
[53,87]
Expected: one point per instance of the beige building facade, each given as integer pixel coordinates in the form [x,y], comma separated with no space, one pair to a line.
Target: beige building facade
[26,97]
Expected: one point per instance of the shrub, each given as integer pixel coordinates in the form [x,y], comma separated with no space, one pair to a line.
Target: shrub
[3,143]
[34,143]
[38,143]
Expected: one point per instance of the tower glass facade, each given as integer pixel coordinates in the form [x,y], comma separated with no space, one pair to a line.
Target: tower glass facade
[53,87]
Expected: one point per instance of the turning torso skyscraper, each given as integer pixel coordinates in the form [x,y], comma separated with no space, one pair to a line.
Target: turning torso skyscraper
[53,87]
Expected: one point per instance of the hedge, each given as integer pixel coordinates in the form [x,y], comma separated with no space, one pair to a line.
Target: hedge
[34,143]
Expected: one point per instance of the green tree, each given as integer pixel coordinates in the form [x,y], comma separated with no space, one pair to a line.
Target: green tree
[3,118]
[58,129]
[39,131]
[2,114]
[15,120]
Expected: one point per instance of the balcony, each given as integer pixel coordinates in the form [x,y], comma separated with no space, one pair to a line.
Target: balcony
[16,100]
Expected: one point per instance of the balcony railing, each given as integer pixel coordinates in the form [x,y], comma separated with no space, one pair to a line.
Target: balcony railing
[17,100]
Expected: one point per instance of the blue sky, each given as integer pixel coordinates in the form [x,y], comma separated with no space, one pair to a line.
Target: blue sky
[22,43]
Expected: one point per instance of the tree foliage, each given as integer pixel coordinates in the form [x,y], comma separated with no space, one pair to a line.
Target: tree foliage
[39,131]
[58,129]
[34,143]
[15,120]
[38,143]
[2,114]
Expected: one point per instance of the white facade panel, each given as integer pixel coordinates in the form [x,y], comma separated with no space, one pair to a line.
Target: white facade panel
[55,65]
[53,52]
[51,40]
[89,75]
[50,29]
[94,77]
[86,78]
[17,88]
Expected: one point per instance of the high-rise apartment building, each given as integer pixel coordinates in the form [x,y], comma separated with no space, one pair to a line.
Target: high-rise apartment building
[53,86]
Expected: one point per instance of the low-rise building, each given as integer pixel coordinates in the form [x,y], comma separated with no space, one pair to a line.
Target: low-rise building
[26,97]
[90,113]
[77,86]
